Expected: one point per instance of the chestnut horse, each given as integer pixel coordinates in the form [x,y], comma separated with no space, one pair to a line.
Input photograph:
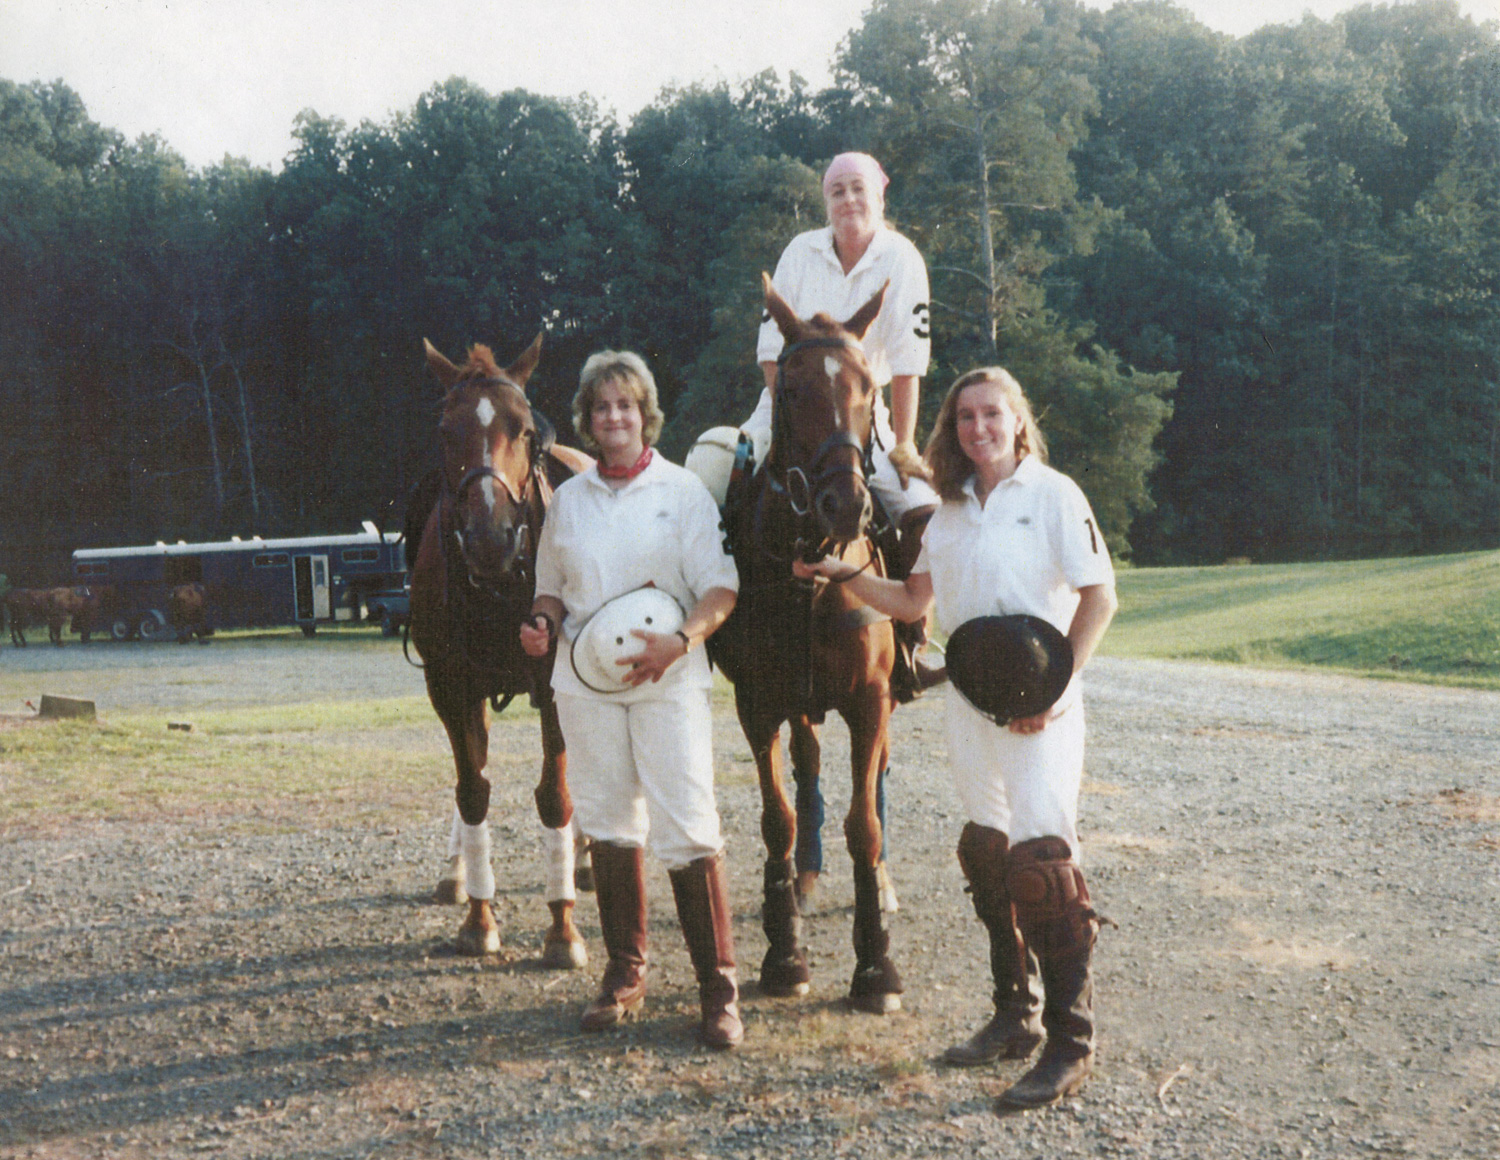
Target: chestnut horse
[53,607]
[795,650]
[472,583]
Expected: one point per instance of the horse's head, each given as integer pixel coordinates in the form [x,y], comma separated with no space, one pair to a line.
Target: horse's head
[825,415]
[488,445]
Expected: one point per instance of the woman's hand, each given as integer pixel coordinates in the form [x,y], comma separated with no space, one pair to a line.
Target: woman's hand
[1034,724]
[660,651]
[537,635]
[829,568]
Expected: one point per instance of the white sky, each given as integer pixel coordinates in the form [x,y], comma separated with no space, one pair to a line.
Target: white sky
[217,77]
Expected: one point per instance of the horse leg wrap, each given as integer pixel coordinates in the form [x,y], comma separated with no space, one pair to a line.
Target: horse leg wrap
[876,982]
[809,823]
[784,969]
[479,879]
[557,851]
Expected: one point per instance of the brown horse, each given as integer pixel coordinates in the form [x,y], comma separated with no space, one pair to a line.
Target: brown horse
[472,582]
[53,607]
[187,612]
[795,650]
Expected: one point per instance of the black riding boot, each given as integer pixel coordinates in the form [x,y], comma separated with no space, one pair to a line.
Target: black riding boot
[1015,1029]
[1060,926]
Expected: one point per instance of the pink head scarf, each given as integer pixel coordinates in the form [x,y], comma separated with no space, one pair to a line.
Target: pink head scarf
[862,164]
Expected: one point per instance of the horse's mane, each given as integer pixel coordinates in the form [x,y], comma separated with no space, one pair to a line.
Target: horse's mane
[481,364]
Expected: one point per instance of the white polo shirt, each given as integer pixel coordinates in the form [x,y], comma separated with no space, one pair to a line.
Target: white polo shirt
[598,543]
[811,279]
[1028,548]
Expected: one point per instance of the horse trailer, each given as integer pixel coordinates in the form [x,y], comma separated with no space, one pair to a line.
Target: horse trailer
[242,583]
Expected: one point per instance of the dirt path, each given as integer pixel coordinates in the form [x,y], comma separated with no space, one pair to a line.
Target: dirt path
[1304,869]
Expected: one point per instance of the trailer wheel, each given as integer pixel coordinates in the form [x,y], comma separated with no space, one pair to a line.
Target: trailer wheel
[121,629]
[153,625]
[388,625]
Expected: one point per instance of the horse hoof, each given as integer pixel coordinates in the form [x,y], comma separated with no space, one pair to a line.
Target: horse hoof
[785,978]
[875,1004]
[476,943]
[450,892]
[564,954]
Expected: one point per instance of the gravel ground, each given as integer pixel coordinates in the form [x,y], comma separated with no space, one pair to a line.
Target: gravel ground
[1303,869]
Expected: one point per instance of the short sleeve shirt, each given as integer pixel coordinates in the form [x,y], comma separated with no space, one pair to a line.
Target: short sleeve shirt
[598,543]
[1027,549]
[811,279]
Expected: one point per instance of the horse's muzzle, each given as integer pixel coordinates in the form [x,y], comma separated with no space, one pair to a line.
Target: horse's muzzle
[844,508]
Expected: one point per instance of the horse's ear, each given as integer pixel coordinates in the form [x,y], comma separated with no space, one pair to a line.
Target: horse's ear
[520,370]
[446,372]
[866,313]
[786,318]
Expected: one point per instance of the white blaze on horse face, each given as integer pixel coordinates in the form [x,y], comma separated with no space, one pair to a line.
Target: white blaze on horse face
[831,366]
[485,412]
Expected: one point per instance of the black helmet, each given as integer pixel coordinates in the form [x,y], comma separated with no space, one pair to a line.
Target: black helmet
[1009,666]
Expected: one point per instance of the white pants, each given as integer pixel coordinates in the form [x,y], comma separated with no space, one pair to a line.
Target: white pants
[1025,785]
[886,483]
[644,771]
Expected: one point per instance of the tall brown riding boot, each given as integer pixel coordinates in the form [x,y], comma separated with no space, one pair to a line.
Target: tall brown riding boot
[620,886]
[1016,1028]
[703,907]
[1060,926]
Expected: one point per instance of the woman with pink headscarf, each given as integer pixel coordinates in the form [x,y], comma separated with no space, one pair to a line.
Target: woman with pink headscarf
[836,270]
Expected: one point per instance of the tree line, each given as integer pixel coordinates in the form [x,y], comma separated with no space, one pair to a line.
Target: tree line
[1250,282]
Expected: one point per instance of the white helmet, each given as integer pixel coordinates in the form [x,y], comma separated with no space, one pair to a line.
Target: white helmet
[711,459]
[609,636]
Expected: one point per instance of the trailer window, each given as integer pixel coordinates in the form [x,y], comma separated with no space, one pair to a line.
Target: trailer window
[93,568]
[271,560]
[360,555]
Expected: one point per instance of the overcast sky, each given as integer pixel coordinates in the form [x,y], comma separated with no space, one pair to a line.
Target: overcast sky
[217,77]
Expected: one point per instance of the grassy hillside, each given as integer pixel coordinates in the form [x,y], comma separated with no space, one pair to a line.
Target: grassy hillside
[1430,618]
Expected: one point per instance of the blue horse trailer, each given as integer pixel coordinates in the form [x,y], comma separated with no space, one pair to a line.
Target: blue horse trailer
[245,583]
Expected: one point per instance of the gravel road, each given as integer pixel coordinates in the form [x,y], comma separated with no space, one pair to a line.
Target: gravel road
[1303,869]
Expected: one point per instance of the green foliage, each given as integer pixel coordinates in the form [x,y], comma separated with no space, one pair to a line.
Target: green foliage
[1253,284]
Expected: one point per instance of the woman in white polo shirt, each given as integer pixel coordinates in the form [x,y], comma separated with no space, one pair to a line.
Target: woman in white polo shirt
[1014,536]
[640,761]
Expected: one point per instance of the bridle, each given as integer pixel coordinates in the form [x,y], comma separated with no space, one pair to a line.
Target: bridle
[520,502]
[798,486]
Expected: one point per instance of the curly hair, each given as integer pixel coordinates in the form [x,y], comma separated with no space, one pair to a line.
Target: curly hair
[629,370]
[950,466]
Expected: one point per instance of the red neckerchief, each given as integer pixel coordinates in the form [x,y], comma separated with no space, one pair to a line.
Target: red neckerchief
[640,465]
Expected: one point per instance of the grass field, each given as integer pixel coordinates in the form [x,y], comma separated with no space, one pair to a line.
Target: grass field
[1429,618]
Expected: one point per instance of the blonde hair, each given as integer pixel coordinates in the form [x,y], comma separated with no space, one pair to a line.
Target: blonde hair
[950,466]
[629,370]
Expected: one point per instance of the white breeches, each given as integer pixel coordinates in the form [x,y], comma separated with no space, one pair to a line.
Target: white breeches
[643,772]
[885,483]
[1024,784]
